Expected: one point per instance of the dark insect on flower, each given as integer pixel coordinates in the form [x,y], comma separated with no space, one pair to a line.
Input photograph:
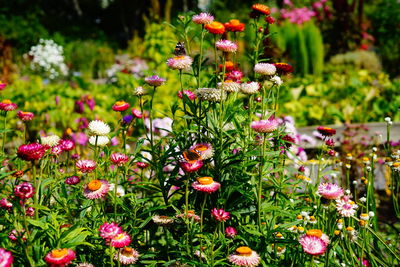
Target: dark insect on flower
[180,50]
[191,155]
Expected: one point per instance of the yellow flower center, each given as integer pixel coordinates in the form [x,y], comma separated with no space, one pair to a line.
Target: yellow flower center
[119,236]
[349,228]
[205,180]
[396,164]
[228,81]
[6,101]
[190,211]
[337,232]
[301,229]
[120,103]
[244,251]
[215,25]
[234,22]
[179,57]
[314,232]
[59,253]
[94,185]
[127,251]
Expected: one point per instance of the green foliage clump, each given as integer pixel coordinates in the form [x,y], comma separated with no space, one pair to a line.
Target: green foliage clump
[358,59]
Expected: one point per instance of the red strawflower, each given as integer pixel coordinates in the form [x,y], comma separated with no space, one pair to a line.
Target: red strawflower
[31,152]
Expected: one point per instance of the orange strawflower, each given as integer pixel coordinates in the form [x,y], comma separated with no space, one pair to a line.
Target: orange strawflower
[215,27]
[234,25]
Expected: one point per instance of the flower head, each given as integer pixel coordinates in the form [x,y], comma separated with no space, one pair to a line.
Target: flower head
[120,240]
[120,106]
[205,149]
[99,128]
[245,256]
[96,189]
[100,141]
[326,131]
[50,140]
[67,144]
[2,86]
[330,191]
[210,94]
[190,167]
[215,27]
[24,190]
[261,9]
[229,86]
[119,158]
[226,46]
[72,180]
[190,215]
[7,105]
[25,115]
[139,91]
[346,207]
[85,165]
[265,69]
[127,255]
[283,68]
[206,184]
[109,230]
[250,88]
[154,80]
[264,126]
[220,214]
[60,257]
[162,220]
[5,204]
[234,75]
[189,94]
[6,258]
[234,25]
[276,80]
[180,62]
[31,152]
[312,244]
[203,18]
[230,231]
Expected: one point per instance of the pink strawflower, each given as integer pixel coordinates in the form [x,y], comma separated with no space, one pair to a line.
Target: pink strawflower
[326,131]
[5,204]
[85,165]
[180,62]
[142,165]
[137,113]
[30,211]
[226,46]
[330,191]
[188,167]
[25,116]
[154,80]
[14,235]
[120,106]
[245,256]
[235,75]
[57,150]
[72,180]
[346,207]
[31,152]
[119,158]
[220,214]
[67,144]
[364,262]
[24,190]
[6,258]
[2,86]
[313,245]
[109,230]
[189,94]
[96,189]
[7,105]
[230,231]
[190,215]
[265,69]
[264,126]
[60,257]
[127,255]
[203,18]
[120,240]
[206,184]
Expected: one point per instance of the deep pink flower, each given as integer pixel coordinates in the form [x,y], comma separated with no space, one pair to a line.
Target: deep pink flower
[235,75]
[7,105]
[67,144]
[220,214]
[265,126]
[154,80]
[230,231]
[189,94]
[5,204]
[119,158]
[6,258]
[142,165]
[188,167]
[72,180]
[2,86]
[120,106]
[120,240]
[31,152]
[24,190]
[57,150]
[109,230]
[326,131]
[86,165]
[137,113]
[30,211]
[25,116]
[60,257]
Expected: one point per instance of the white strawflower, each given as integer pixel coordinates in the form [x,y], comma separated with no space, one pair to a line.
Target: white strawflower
[138,91]
[101,140]
[97,127]
[387,119]
[276,80]
[120,190]
[265,69]
[250,88]
[51,140]
[363,199]
[210,94]
[229,86]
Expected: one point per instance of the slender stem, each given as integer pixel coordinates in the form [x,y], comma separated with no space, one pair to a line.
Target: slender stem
[200,57]
[115,196]
[201,224]
[36,186]
[260,179]
[124,138]
[215,57]
[111,255]
[4,133]
[151,118]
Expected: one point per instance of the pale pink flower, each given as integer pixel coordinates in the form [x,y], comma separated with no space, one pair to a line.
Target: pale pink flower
[245,256]
[155,80]
[119,158]
[264,126]
[265,69]
[330,191]
[206,184]
[85,165]
[109,230]
[127,256]
[313,245]
[203,18]
[96,189]
[226,46]
[180,62]
[189,94]
[346,207]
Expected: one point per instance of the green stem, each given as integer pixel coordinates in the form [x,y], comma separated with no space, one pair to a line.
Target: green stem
[4,133]
[201,224]
[260,178]
[201,56]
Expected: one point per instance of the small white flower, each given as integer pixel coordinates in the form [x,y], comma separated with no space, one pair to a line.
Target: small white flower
[348,192]
[355,182]
[51,140]
[98,127]
[101,140]
[368,168]
[363,199]
[276,80]
[250,88]
[387,119]
[120,190]
[374,149]
[371,214]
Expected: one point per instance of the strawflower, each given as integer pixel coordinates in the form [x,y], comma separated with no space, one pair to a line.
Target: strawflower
[99,128]
[72,180]
[206,184]
[230,231]
[229,86]
[96,189]
[24,190]
[190,215]
[109,230]
[120,106]
[250,88]
[6,258]
[51,140]
[67,144]
[127,255]
[245,256]
[220,214]
[25,115]
[31,152]
[162,220]
[283,68]
[99,140]
[346,207]
[119,158]
[155,80]
[60,257]
[203,18]
[265,69]
[180,62]
[210,94]
[7,105]
[2,86]
[215,27]
[189,94]
[188,167]
[264,126]
[137,113]
[313,245]
[85,165]
[120,240]
[326,131]
[226,46]
[330,191]
[205,149]
[234,25]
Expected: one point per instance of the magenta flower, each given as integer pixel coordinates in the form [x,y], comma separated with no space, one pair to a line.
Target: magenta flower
[109,230]
[85,165]
[264,126]
[220,215]
[230,231]
[25,116]
[120,240]
[203,18]
[67,144]
[60,257]
[2,86]
[31,152]
[30,211]
[6,258]
[330,191]
[154,80]
[72,180]
[188,167]
[189,94]
[120,106]
[7,105]
[206,184]
[313,245]
[235,75]
[5,204]
[137,113]
[226,46]
[119,158]
[24,190]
